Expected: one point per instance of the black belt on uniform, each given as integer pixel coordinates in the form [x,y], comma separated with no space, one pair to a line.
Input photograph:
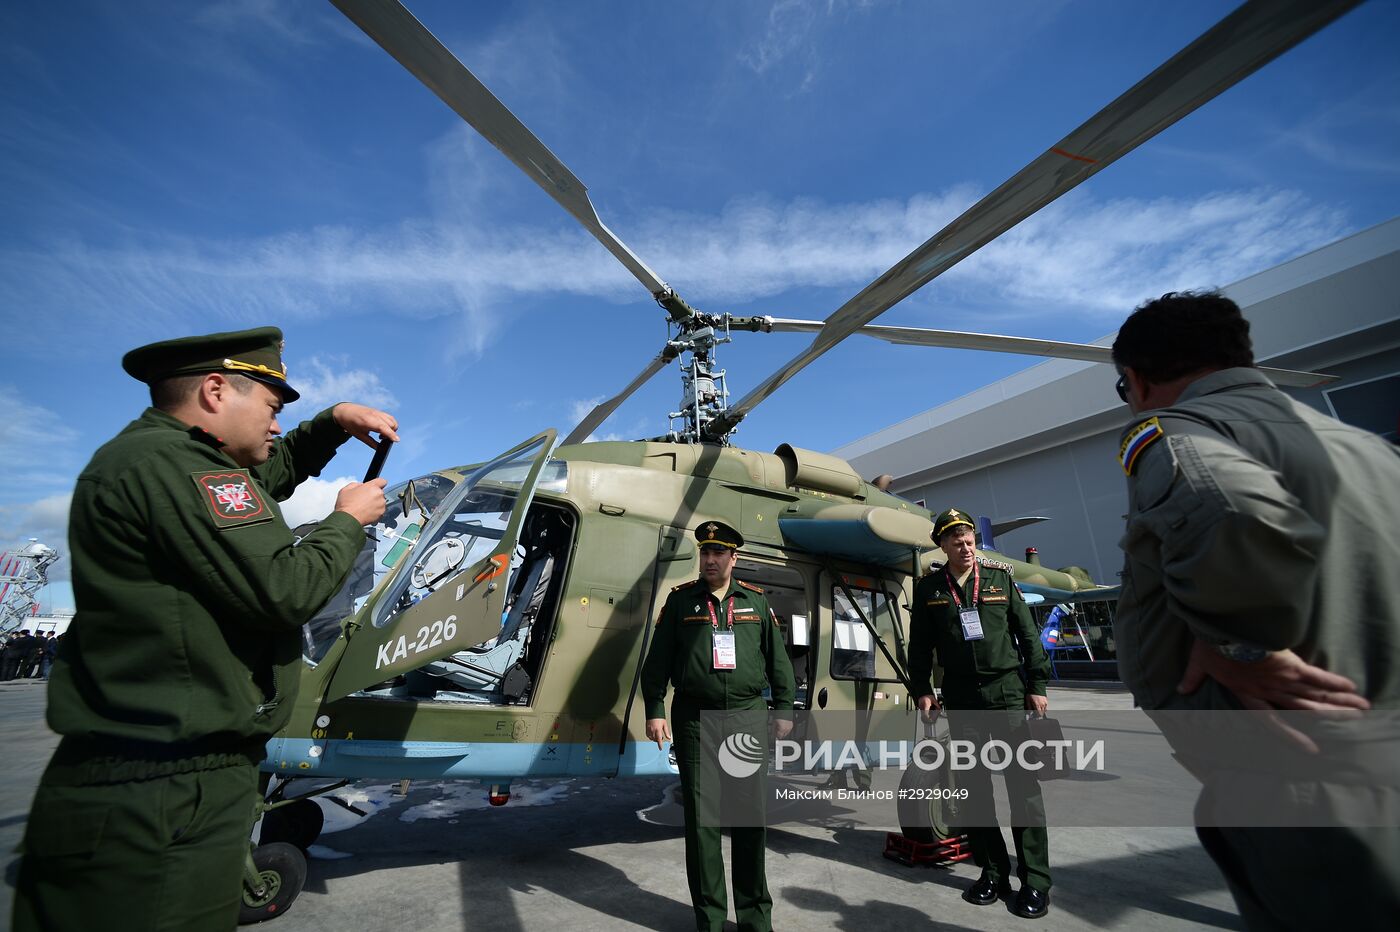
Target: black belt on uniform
[93,760]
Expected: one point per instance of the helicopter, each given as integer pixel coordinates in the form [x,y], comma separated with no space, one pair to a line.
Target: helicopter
[494,625]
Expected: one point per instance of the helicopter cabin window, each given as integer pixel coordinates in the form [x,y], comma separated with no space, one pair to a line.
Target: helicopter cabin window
[786,592]
[854,654]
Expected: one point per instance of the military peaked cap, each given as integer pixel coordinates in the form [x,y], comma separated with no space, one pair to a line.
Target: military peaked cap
[718,534]
[950,519]
[255,353]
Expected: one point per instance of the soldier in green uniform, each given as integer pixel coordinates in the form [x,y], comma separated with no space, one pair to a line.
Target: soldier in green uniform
[971,615]
[183,657]
[1259,573]
[718,643]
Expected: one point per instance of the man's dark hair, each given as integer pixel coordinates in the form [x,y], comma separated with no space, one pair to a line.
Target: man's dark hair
[169,394]
[1183,332]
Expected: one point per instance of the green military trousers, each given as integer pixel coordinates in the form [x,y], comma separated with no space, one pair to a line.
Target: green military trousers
[1022,788]
[153,855]
[701,791]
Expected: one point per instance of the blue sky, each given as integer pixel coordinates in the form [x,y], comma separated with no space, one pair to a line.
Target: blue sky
[176,168]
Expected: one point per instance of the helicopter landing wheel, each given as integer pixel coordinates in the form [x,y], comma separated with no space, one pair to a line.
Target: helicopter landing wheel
[298,824]
[281,871]
[924,811]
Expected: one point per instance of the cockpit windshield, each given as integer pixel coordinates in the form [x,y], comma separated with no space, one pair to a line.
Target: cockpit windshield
[464,512]
[410,505]
[469,526]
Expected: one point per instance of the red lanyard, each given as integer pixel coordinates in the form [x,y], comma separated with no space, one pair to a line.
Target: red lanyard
[953,586]
[714,619]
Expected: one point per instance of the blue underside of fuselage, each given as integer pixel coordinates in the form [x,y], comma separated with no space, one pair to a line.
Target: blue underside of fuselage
[501,761]
[1105,594]
[849,539]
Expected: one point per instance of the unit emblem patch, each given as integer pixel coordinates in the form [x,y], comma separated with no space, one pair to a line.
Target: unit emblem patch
[232,497]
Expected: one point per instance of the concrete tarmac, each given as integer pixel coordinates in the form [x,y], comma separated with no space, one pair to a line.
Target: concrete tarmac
[576,855]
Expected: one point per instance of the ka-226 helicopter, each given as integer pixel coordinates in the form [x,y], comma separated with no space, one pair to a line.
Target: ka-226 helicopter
[494,625]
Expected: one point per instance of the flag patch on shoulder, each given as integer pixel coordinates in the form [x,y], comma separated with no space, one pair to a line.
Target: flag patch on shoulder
[232,497]
[1138,439]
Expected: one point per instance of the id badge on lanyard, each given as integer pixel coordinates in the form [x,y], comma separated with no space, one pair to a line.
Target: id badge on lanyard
[969,618]
[726,655]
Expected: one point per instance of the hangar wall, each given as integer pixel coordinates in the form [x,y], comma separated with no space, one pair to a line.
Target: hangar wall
[1045,440]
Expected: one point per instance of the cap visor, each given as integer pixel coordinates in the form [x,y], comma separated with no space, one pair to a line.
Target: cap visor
[289,394]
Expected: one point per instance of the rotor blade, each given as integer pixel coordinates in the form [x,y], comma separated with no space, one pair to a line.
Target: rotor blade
[601,413]
[1234,48]
[388,23]
[957,339]
[1025,346]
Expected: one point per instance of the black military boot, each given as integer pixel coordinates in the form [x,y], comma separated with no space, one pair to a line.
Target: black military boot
[1031,903]
[986,890]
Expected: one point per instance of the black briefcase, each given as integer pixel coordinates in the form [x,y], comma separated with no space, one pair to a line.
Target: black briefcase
[1045,730]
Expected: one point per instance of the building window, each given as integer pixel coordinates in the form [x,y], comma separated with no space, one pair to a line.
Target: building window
[1372,405]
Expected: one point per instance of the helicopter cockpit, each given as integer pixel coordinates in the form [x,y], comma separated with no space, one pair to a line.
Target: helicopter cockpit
[435,528]
[387,541]
[503,669]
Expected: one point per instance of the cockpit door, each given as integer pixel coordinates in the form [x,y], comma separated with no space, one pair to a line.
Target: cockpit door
[449,593]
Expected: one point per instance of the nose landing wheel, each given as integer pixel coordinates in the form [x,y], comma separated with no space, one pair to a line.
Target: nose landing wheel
[272,880]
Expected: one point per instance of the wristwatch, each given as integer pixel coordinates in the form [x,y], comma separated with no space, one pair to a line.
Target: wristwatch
[1241,653]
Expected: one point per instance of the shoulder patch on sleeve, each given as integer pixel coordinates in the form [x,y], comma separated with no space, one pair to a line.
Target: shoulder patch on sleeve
[1155,473]
[749,586]
[232,497]
[1135,441]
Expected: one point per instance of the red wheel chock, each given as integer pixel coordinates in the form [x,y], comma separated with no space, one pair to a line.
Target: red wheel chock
[909,852]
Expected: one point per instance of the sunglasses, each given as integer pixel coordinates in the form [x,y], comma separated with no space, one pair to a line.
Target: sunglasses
[1121,387]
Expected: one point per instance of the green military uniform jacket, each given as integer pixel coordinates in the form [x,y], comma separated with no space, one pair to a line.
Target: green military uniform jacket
[1254,519]
[682,652]
[1010,638]
[190,593]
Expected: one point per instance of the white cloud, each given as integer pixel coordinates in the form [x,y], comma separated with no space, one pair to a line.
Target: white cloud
[313,500]
[789,39]
[790,23]
[46,520]
[1363,126]
[578,410]
[264,18]
[1102,259]
[40,455]
[30,434]
[1078,255]
[326,381]
[581,408]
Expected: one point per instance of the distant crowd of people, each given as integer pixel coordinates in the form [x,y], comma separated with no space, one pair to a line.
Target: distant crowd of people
[28,655]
